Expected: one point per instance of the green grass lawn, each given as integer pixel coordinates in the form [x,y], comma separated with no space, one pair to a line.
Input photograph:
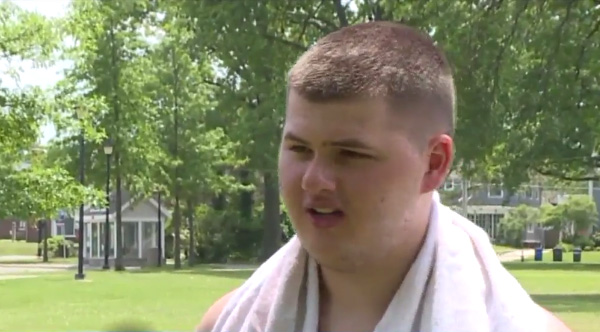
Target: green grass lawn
[503,249]
[175,301]
[9,247]
[158,300]
[570,290]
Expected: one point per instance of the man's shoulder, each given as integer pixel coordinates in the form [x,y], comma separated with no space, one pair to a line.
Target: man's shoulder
[209,320]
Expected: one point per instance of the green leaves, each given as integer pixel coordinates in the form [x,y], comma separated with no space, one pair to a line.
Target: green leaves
[26,35]
[36,192]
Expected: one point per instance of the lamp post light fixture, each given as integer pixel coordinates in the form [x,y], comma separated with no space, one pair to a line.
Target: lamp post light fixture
[80,111]
[108,150]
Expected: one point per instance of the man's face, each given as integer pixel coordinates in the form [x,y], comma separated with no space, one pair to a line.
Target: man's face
[351,180]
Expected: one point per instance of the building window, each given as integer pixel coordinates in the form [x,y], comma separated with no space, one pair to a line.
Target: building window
[495,191]
[531,192]
[530,228]
[69,226]
[22,225]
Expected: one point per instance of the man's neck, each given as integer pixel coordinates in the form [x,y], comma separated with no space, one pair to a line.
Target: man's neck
[365,294]
[358,301]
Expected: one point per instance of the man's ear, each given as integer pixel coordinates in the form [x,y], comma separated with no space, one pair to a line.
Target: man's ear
[439,155]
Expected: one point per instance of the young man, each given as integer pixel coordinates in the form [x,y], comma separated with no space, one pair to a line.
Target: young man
[367,140]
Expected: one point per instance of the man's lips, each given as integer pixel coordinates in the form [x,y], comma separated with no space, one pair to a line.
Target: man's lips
[325,217]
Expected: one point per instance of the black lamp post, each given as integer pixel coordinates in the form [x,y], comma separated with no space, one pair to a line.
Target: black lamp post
[108,149]
[159,231]
[80,114]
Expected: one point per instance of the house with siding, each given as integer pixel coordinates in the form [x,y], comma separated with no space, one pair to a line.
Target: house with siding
[488,203]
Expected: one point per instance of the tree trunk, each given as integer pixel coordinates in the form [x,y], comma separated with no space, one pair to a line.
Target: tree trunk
[191,245]
[177,219]
[177,231]
[118,223]
[40,238]
[45,231]
[271,215]
[246,201]
[116,104]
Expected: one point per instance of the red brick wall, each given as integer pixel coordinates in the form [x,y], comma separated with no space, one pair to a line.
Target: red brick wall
[29,234]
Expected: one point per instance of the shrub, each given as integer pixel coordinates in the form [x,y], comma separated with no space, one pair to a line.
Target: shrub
[58,246]
[596,238]
[583,242]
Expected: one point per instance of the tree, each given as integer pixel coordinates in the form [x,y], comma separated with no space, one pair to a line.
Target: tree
[581,211]
[575,216]
[183,103]
[30,188]
[514,223]
[110,66]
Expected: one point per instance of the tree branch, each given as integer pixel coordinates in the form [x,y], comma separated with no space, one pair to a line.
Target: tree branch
[550,63]
[310,16]
[505,44]
[584,44]
[562,176]
[284,41]
[341,12]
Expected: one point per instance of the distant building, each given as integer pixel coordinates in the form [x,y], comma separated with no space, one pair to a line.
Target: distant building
[488,203]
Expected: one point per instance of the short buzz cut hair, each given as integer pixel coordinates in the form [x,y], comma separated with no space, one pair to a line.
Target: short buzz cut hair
[379,60]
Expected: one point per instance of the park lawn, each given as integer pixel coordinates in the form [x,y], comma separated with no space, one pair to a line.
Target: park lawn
[175,301]
[499,249]
[570,290]
[17,248]
[154,300]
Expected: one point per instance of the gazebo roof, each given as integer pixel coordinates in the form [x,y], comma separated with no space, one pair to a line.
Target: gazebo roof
[127,200]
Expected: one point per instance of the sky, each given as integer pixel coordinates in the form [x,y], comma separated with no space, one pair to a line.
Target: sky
[42,77]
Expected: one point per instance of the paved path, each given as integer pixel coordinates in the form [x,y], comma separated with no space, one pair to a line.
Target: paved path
[32,268]
[18,258]
[19,266]
[515,255]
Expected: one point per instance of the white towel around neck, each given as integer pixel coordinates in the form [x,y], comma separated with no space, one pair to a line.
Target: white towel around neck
[456,284]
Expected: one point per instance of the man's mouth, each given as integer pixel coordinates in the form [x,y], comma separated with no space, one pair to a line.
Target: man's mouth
[324,211]
[326,217]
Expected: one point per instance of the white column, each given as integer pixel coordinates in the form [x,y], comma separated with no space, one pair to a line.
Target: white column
[140,242]
[99,239]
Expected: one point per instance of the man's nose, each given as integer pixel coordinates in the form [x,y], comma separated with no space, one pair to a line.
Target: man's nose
[318,177]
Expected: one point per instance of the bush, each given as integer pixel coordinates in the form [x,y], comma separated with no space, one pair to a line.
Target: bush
[583,242]
[596,238]
[58,246]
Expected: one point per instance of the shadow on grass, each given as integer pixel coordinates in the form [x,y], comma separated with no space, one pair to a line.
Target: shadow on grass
[207,270]
[568,302]
[552,266]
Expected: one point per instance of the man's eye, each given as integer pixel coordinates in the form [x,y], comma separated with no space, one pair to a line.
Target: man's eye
[299,149]
[353,154]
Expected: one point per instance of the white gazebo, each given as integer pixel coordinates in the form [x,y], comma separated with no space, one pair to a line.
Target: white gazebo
[139,225]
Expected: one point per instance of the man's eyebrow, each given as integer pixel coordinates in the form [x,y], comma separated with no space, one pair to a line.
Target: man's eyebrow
[293,137]
[352,143]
